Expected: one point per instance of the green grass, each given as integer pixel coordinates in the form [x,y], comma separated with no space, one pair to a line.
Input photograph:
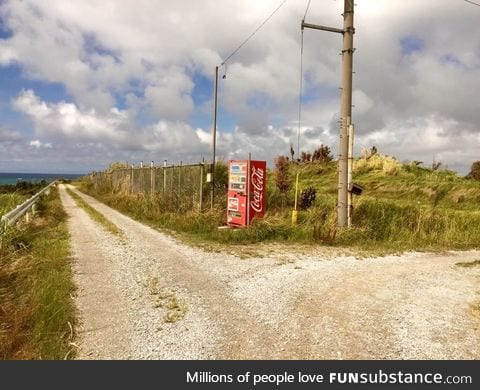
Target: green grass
[403,207]
[469,264]
[37,313]
[95,215]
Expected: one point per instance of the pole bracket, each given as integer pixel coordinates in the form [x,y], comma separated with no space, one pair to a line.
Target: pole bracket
[323,28]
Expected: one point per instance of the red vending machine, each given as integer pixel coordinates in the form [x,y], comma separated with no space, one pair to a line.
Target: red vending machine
[246,191]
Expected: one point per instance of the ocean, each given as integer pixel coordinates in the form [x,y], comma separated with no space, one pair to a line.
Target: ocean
[12,178]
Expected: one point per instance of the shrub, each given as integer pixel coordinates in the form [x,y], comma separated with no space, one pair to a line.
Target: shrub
[307,197]
[475,171]
[306,157]
[282,178]
[323,154]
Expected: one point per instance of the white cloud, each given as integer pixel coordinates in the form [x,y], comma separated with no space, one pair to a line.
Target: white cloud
[9,136]
[37,144]
[67,120]
[130,70]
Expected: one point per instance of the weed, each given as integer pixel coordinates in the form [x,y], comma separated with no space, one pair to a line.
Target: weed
[96,216]
[167,300]
[469,264]
[403,207]
[37,314]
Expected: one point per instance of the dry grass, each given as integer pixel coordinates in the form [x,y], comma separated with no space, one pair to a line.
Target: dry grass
[167,300]
[469,264]
[378,162]
[96,216]
[37,314]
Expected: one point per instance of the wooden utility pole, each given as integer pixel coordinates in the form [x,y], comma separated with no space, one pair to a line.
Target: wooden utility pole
[346,106]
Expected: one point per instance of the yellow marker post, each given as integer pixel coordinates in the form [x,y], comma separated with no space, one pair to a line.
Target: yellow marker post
[295,212]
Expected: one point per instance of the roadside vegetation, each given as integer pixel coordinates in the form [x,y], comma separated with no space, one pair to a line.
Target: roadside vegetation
[404,206]
[95,215]
[12,195]
[37,315]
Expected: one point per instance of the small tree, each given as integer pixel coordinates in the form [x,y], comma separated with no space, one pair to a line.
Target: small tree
[323,154]
[282,178]
[117,165]
[475,171]
[307,197]
[305,157]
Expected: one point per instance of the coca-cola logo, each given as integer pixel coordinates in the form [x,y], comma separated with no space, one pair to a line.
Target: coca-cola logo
[258,180]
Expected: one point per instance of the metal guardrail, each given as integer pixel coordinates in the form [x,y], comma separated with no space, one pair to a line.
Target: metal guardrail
[12,216]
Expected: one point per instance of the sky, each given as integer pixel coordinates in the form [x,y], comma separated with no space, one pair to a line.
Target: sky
[86,83]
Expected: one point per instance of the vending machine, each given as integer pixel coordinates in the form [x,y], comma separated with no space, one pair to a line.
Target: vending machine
[246,191]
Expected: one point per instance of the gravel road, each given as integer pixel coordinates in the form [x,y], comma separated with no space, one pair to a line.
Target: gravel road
[147,296]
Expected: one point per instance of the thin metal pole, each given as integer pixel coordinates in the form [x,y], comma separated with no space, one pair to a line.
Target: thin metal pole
[200,206]
[345,113]
[247,187]
[132,181]
[152,178]
[179,179]
[164,176]
[350,171]
[214,135]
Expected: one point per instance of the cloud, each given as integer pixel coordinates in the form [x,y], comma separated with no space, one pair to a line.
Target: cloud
[67,120]
[39,145]
[9,136]
[67,123]
[131,70]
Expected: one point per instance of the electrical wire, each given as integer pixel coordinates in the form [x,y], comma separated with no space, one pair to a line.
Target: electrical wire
[301,84]
[253,33]
[300,97]
[472,2]
[308,6]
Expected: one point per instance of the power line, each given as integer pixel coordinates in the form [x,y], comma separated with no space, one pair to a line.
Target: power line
[300,97]
[308,6]
[253,33]
[472,2]
[301,84]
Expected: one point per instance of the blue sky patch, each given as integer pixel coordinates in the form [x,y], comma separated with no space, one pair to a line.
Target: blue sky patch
[411,44]
[452,60]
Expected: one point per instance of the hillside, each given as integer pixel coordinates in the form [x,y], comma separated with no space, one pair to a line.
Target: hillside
[403,207]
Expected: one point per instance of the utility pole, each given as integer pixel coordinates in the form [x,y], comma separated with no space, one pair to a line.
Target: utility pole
[346,106]
[214,136]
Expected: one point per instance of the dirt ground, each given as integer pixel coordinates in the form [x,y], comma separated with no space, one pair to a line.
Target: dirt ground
[145,295]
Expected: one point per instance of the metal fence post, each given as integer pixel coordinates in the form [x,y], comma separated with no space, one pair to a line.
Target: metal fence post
[132,181]
[164,175]
[200,206]
[179,179]
[171,179]
[152,178]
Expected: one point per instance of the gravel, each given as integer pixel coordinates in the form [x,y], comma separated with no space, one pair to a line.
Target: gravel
[287,303]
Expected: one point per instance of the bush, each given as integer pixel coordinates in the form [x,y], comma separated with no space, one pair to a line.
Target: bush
[323,154]
[475,171]
[307,197]
[282,178]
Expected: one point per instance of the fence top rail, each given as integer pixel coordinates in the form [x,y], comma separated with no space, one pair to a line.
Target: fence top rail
[154,167]
[13,215]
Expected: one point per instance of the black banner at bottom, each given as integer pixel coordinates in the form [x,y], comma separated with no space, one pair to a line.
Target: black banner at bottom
[199,375]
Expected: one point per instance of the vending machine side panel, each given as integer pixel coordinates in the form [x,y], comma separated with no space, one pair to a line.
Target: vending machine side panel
[257,187]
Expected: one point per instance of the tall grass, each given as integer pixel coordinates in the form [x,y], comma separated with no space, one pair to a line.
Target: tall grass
[36,308]
[404,207]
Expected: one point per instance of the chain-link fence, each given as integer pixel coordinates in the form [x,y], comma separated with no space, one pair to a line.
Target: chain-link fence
[180,187]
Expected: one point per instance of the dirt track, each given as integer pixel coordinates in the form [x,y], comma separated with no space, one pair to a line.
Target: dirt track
[283,304]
